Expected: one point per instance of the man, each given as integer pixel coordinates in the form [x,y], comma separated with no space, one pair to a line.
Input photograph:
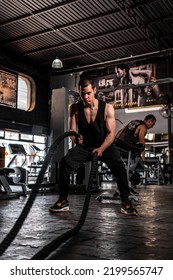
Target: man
[95,122]
[134,132]
[121,78]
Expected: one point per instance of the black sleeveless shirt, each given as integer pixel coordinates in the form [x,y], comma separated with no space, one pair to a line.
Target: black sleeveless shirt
[95,132]
[128,134]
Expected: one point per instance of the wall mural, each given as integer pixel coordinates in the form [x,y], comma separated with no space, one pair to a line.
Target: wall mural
[122,90]
[8,89]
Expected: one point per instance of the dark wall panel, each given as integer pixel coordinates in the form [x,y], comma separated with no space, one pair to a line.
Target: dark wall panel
[12,118]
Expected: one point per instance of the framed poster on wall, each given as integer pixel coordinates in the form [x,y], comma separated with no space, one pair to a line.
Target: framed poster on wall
[8,89]
[133,87]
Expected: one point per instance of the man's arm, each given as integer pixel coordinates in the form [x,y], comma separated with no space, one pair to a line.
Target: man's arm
[72,123]
[110,127]
[142,130]
[140,71]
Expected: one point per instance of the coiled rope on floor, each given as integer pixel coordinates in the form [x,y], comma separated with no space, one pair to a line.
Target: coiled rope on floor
[52,246]
[18,224]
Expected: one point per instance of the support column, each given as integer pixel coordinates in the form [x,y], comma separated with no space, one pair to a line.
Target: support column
[59,125]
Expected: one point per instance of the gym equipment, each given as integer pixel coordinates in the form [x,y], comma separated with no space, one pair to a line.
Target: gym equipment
[33,171]
[16,176]
[20,173]
[153,171]
[16,149]
[151,167]
[106,197]
[104,174]
[7,182]
[5,190]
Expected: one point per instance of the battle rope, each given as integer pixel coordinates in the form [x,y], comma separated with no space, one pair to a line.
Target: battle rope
[18,224]
[49,248]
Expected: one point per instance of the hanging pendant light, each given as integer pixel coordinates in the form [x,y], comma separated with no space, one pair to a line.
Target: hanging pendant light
[57,63]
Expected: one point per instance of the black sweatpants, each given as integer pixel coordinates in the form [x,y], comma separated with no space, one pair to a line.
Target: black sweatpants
[81,154]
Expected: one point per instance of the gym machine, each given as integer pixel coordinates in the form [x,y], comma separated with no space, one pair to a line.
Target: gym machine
[34,169]
[15,176]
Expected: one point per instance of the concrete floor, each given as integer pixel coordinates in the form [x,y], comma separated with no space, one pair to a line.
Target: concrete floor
[106,234]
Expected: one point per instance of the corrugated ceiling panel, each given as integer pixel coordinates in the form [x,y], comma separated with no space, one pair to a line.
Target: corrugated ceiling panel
[10,9]
[28,27]
[104,28]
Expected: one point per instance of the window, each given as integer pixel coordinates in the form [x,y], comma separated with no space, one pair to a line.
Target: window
[17,91]
[25,93]
[26,137]
[11,135]
[39,139]
[1,134]
[22,94]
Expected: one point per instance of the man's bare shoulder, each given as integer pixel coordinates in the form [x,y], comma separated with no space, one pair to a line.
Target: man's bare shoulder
[110,109]
[142,126]
[109,106]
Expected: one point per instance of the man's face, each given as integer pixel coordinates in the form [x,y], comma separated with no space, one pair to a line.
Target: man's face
[150,123]
[87,94]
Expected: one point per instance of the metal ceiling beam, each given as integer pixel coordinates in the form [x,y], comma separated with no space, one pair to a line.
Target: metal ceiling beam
[130,44]
[86,20]
[130,59]
[71,25]
[57,28]
[55,7]
[142,3]
[96,36]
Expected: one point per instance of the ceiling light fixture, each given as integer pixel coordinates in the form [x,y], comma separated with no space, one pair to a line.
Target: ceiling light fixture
[57,63]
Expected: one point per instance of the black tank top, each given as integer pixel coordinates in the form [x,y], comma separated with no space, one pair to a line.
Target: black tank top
[95,132]
[128,134]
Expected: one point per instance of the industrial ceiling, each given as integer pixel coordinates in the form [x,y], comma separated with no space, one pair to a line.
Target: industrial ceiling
[84,33]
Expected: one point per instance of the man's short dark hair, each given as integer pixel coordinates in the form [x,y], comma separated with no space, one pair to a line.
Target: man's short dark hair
[150,117]
[84,82]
